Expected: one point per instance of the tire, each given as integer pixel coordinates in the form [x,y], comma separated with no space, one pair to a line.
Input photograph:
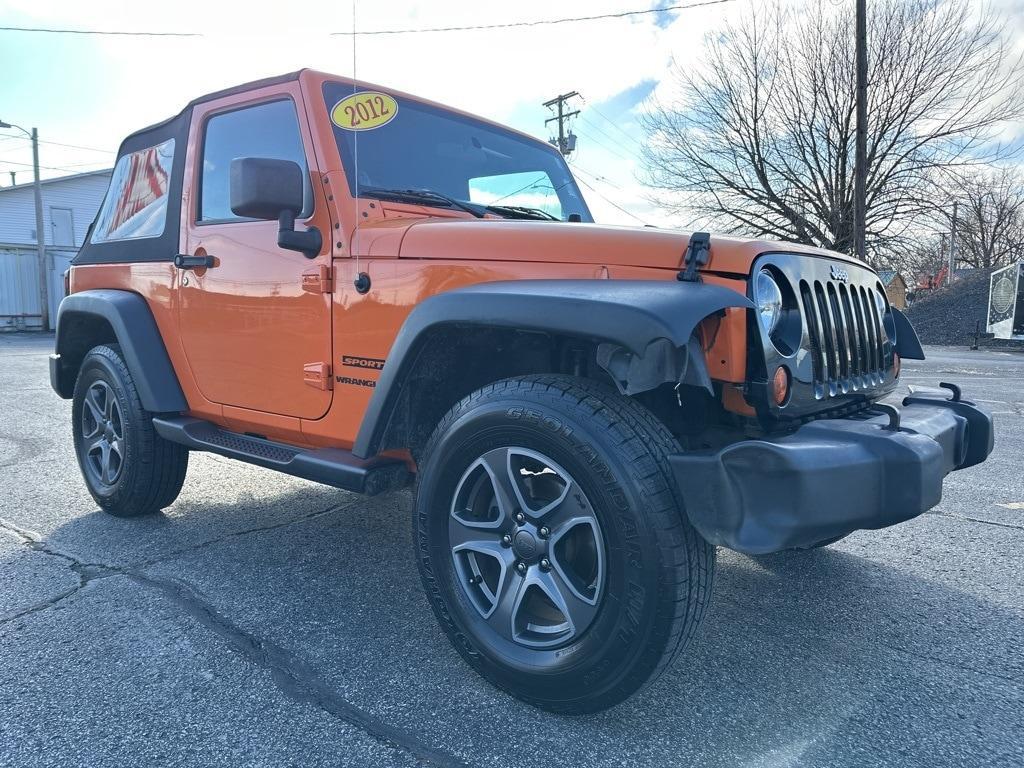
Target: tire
[127,467]
[622,558]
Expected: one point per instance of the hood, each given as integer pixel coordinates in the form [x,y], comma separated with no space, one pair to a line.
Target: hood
[561,242]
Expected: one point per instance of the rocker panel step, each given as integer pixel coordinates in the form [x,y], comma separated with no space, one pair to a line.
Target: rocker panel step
[331,466]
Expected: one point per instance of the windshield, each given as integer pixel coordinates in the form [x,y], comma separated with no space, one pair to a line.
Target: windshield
[406,145]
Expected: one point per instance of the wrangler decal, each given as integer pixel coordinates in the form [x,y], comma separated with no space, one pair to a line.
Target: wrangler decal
[356,382]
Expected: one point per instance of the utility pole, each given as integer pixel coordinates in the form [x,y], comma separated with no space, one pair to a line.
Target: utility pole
[952,246]
[860,168]
[44,302]
[44,273]
[566,142]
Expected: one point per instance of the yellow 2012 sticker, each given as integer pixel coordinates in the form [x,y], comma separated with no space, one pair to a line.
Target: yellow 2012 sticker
[364,110]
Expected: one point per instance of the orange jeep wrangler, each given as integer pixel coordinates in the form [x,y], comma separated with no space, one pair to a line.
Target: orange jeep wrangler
[362,288]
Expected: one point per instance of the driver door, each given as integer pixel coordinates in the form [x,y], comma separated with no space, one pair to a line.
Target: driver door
[255,338]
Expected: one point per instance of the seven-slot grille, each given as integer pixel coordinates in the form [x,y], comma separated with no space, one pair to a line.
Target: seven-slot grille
[846,335]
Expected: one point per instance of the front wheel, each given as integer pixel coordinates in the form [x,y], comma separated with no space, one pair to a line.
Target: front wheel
[129,469]
[552,543]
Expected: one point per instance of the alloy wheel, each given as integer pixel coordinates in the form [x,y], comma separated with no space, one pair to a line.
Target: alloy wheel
[527,548]
[103,433]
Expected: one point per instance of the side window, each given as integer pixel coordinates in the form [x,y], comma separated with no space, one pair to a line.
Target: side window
[268,130]
[136,201]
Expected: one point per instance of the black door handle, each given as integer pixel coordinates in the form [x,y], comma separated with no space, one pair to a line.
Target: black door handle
[184,261]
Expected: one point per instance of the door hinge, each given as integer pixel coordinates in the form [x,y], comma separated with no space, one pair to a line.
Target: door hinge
[318,376]
[317,279]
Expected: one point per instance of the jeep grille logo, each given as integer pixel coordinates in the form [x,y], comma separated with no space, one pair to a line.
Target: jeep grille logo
[840,274]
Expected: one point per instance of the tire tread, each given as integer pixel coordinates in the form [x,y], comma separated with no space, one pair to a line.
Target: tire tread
[162,465]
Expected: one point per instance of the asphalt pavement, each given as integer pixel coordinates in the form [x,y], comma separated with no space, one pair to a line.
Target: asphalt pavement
[264,620]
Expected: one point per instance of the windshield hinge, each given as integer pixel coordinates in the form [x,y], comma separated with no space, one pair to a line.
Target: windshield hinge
[698,253]
[318,376]
[317,279]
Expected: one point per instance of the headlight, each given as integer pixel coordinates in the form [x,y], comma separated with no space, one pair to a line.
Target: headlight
[768,300]
[880,303]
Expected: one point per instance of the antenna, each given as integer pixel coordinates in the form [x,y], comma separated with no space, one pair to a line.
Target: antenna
[362,280]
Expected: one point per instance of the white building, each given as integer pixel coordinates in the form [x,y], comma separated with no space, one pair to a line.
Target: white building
[69,206]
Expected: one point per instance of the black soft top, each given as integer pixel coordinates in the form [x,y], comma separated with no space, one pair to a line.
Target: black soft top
[164,247]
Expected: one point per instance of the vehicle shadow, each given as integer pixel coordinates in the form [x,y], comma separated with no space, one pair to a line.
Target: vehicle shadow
[812,658]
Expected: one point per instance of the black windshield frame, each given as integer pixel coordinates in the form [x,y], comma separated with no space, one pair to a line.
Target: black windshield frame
[390,157]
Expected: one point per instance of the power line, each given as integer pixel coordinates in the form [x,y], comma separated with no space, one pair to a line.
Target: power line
[536,23]
[616,144]
[598,177]
[68,168]
[611,203]
[79,146]
[53,31]
[605,147]
[371,32]
[57,143]
[610,122]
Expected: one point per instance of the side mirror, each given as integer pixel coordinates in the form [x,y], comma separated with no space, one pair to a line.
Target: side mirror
[263,188]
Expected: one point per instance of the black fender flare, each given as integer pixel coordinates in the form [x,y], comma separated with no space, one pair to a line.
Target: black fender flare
[643,329]
[908,346]
[138,336]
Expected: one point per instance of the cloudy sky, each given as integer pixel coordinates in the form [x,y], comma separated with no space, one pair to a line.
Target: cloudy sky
[90,91]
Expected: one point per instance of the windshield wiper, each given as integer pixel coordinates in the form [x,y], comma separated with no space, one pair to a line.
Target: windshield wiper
[419,196]
[521,212]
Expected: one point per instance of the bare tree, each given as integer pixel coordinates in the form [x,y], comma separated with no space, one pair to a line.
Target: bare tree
[922,260]
[990,218]
[760,140]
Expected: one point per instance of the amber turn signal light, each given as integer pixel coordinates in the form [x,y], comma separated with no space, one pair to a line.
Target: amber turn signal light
[780,385]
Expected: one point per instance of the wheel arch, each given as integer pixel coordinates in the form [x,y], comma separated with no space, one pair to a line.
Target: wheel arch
[635,334]
[90,318]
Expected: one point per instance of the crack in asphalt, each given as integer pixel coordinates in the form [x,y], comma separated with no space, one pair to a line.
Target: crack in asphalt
[86,572]
[292,676]
[966,518]
[237,534]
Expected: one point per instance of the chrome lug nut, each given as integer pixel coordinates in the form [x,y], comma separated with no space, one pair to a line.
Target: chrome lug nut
[520,518]
[544,532]
[545,564]
[521,567]
[506,540]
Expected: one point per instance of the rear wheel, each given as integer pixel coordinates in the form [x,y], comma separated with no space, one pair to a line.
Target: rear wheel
[553,545]
[128,468]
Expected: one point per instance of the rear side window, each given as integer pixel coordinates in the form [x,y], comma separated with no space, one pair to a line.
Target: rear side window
[136,201]
[268,130]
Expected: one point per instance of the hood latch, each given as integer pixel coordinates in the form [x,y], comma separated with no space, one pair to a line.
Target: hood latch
[698,253]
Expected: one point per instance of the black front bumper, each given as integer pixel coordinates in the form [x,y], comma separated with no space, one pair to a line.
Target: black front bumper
[831,477]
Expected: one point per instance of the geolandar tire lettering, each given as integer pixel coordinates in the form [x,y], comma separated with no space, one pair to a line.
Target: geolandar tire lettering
[128,469]
[552,544]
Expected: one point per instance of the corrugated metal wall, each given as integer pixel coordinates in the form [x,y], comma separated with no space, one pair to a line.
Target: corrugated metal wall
[19,275]
[19,285]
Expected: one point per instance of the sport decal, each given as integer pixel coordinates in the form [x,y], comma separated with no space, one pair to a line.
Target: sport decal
[371,363]
[364,110]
